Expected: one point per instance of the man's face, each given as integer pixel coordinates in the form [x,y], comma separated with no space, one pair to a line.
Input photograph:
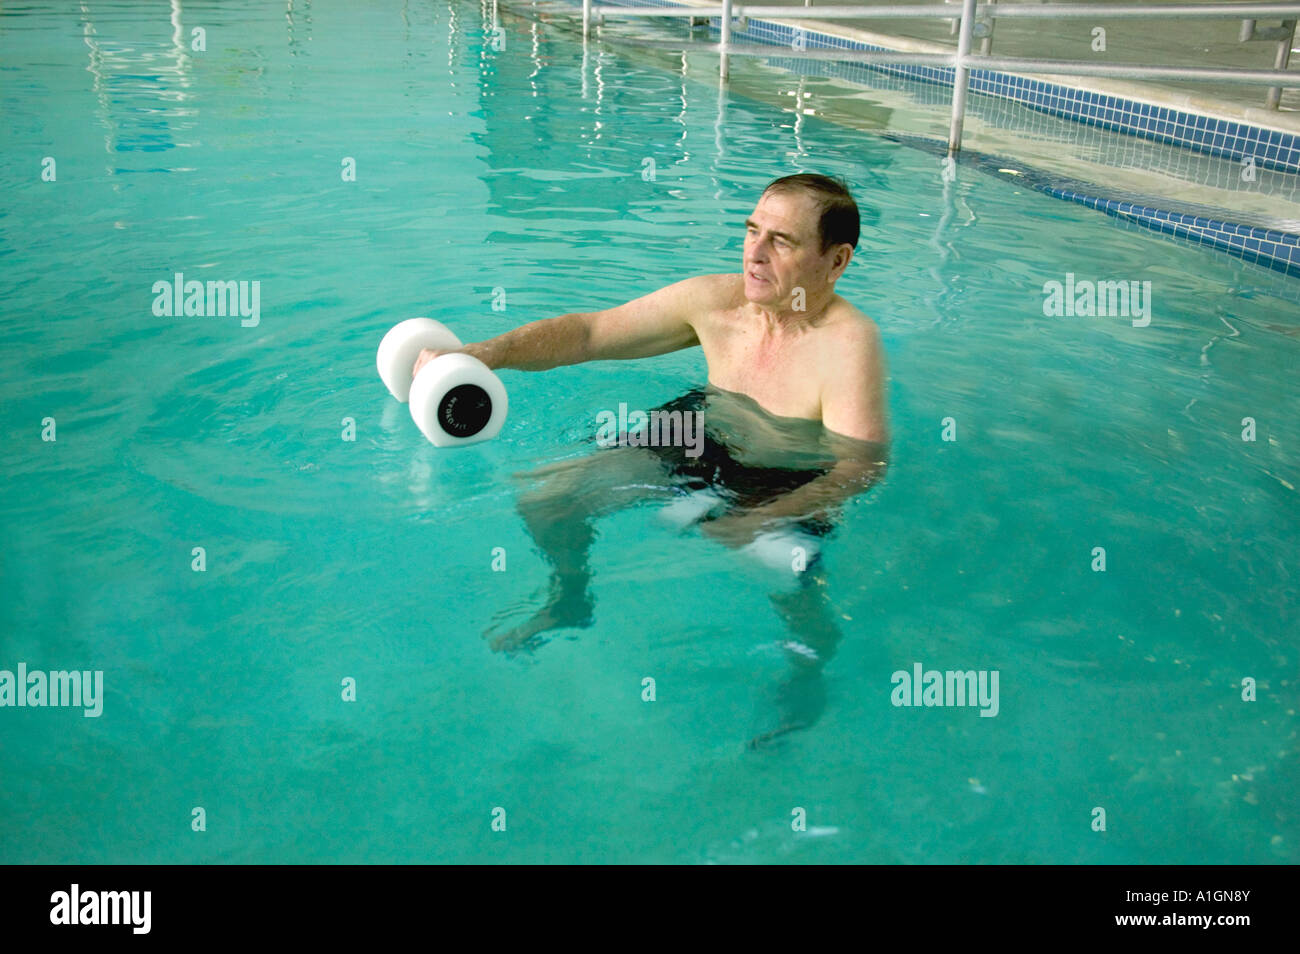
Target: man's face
[783,250]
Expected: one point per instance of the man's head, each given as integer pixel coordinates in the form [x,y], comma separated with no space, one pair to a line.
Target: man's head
[802,235]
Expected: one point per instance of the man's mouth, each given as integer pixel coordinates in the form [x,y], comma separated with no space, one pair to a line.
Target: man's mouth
[755,276]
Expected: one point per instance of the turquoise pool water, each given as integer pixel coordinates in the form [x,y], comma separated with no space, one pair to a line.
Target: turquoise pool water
[522,169]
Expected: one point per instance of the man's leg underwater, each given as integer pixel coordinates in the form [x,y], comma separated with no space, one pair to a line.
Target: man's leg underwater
[559,507]
[814,638]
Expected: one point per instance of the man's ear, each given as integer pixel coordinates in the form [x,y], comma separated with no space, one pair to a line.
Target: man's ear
[843,255]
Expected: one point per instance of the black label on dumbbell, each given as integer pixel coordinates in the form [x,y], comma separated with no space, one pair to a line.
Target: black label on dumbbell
[465,410]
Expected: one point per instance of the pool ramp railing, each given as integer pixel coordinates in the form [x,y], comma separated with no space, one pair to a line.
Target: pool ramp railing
[976,22]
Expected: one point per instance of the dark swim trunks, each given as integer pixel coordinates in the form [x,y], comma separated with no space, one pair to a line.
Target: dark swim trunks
[740,485]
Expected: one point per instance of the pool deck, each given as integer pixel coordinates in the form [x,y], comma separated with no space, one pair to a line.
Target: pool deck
[1173,42]
[1205,162]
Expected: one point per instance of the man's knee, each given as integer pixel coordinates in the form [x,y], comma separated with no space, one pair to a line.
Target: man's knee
[602,481]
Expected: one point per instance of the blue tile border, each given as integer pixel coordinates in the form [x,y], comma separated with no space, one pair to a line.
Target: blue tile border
[1271,148]
[1279,251]
[1223,138]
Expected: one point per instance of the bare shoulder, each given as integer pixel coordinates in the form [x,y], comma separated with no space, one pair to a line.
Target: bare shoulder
[705,288]
[853,387]
[849,328]
[714,297]
[718,291]
[677,303]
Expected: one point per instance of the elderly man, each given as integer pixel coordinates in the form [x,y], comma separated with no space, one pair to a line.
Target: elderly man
[795,413]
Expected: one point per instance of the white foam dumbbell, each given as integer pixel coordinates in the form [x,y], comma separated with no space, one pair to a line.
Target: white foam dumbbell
[455,399]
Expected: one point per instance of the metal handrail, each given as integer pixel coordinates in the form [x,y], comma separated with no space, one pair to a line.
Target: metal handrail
[1132,11]
[975,61]
[963,61]
[1037,11]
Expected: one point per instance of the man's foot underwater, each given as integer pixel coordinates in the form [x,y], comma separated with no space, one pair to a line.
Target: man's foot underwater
[555,615]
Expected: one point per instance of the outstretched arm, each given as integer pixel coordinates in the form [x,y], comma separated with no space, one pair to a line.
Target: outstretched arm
[653,324]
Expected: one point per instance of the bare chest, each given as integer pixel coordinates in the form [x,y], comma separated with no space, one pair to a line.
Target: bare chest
[784,377]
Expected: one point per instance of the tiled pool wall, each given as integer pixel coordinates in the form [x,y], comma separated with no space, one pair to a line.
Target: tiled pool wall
[1090,143]
[1234,141]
